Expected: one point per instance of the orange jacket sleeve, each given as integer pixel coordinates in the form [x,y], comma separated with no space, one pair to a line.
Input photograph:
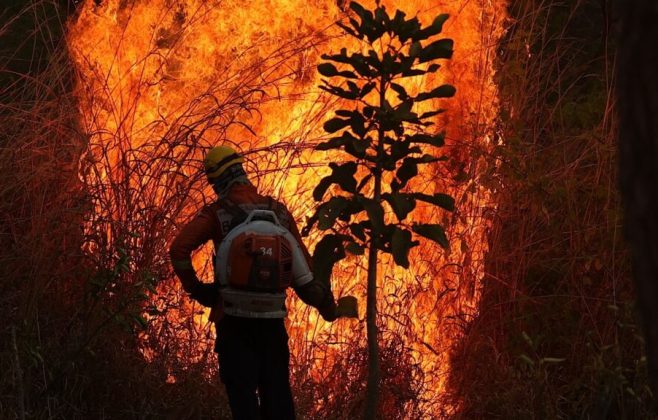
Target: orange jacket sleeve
[194,234]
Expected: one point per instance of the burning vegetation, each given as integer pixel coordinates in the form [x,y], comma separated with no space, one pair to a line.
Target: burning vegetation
[128,95]
[159,82]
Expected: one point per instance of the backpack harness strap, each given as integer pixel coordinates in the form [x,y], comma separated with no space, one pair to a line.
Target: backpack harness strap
[232,208]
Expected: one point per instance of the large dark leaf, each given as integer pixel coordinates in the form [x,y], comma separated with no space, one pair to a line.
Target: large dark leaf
[437,49]
[434,29]
[397,21]
[342,175]
[407,170]
[348,74]
[353,207]
[335,124]
[366,89]
[354,248]
[375,212]
[352,145]
[344,113]
[327,252]
[356,147]
[332,143]
[340,92]
[351,31]
[401,149]
[442,200]
[414,49]
[357,123]
[401,203]
[381,17]
[413,72]
[357,60]
[359,63]
[321,188]
[437,140]
[373,60]
[358,230]
[369,111]
[408,29]
[403,111]
[368,27]
[403,64]
[360,10]
[430,114]
[433,232]
[339,58]
[354,88]
[400,90]
[401,244]
[428,159]
[328,212]
[327,69]
[443,91]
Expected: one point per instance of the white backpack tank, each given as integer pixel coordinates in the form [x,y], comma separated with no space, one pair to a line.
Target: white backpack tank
[256,261]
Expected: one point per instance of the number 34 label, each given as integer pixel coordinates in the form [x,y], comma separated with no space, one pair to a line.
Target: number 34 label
[266,251]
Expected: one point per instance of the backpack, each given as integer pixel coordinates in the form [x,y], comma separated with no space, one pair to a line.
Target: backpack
[256,261]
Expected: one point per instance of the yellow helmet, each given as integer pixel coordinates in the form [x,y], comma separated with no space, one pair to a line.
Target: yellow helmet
[218,159]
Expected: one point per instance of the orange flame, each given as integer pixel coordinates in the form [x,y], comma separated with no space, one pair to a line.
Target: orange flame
[203,72]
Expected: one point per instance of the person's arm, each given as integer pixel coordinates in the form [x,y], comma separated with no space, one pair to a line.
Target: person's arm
[315,293]
[194,234]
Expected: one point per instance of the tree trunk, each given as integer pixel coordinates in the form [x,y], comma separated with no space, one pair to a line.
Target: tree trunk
[637,84]
[372,394]
[373,347]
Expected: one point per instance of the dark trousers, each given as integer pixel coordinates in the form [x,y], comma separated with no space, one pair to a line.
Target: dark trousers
[253,356]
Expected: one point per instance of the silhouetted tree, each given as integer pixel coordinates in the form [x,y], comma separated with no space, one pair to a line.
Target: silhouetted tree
[638,159]
[383,135]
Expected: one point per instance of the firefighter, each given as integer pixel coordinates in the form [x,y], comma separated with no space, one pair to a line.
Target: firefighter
[252,350]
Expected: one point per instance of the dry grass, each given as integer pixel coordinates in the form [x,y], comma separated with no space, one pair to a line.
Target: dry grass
[86,220]
[66,350]
[556,336]
[557,285]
